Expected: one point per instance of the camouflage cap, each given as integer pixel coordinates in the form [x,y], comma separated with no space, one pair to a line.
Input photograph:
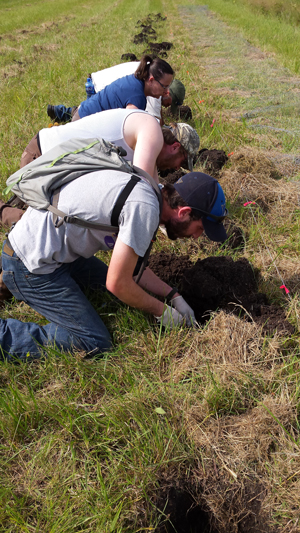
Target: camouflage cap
[189,140]
[177,92]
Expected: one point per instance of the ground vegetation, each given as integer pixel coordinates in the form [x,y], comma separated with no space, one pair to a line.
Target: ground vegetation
[193,430]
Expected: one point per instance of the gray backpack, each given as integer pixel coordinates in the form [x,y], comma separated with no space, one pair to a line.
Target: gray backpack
[39,182]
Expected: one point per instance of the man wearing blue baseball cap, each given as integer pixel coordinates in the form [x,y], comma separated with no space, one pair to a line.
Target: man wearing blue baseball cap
[205,199]
[48,265]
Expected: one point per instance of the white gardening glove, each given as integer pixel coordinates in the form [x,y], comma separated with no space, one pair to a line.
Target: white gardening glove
[184,309]
[170,318]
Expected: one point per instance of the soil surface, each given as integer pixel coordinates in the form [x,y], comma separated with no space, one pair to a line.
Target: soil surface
[129,57]
[158,48]
[212,160]
[186,511]
[183,113]
[220,283]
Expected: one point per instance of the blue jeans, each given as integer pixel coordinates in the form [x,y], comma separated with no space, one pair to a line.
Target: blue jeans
[74,323]
[63,113]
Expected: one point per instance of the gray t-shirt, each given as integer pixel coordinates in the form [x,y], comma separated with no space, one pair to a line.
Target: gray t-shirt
[43,248]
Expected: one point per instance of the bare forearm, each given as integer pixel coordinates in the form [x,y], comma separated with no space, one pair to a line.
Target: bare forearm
[151,282]
[120,282]
[135,296]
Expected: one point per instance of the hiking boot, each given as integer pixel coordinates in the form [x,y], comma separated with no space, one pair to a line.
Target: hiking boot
[51,112]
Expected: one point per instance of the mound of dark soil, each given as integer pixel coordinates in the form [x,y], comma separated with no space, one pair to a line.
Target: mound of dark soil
[148,30]
[158,48]
[236,237]
[152,17]
[129,57]
[183,112]
[212,160]
[220,283]
[167,176]
[140,38]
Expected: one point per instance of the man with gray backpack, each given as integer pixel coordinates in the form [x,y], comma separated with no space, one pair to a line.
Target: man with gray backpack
[86,198]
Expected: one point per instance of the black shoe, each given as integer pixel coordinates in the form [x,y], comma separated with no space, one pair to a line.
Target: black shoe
[51,112]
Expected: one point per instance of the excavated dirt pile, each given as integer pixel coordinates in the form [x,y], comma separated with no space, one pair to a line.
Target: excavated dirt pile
[212,160]
[220,283]
[183,113]
[148,32]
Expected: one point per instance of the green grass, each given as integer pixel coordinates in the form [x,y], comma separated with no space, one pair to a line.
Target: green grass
[262,25]
[95,445]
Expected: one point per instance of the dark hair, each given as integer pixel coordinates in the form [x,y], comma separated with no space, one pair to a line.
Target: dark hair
[174,200]
[152,67]
[169,137]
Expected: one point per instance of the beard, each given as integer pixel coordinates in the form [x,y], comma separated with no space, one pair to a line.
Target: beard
[176,229]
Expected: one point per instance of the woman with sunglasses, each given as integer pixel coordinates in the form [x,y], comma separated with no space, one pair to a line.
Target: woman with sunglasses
[153,77]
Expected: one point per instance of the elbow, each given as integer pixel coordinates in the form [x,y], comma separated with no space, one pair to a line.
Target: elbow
[117,288]
[112,286]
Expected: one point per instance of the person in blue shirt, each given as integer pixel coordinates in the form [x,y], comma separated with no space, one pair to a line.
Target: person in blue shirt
[153,77]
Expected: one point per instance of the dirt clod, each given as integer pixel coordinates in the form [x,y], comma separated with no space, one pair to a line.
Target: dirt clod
[140,38]
[129,57]
[236,237]
[212,160]
[168,176]
[158,48]
[183,112]
[148,30]
[220,283]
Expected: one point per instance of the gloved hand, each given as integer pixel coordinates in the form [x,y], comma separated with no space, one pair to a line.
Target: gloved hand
[170,317]
[184,309]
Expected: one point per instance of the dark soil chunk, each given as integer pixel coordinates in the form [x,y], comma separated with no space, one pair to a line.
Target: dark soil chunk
[184,112]
[129,57]
[140,38]
[169,267]
[212,160]
[236,237]
[167,176]
[165,45]
[220,283]
[272,319]
[158,48]
[215,281]
[157,17]
[148,30]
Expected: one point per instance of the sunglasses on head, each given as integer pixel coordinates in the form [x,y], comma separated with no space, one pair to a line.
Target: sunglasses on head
[217,219]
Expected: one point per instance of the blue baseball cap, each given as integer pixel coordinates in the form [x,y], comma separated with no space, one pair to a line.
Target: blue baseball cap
[203,193]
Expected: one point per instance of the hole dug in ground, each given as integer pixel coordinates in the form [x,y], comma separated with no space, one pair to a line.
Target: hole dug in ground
[215,507]
[182,513]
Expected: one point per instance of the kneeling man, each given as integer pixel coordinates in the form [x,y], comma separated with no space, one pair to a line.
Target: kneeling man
[49,267]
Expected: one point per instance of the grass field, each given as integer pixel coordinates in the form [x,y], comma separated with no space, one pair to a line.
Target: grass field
[190,430]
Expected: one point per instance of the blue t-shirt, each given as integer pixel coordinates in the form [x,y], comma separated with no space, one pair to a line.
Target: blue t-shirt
[120,93]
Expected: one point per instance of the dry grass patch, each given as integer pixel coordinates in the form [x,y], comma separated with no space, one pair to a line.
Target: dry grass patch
[252,176]
[231,347]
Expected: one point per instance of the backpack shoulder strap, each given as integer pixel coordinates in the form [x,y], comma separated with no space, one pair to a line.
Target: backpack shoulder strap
[122,199]
[152,182]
